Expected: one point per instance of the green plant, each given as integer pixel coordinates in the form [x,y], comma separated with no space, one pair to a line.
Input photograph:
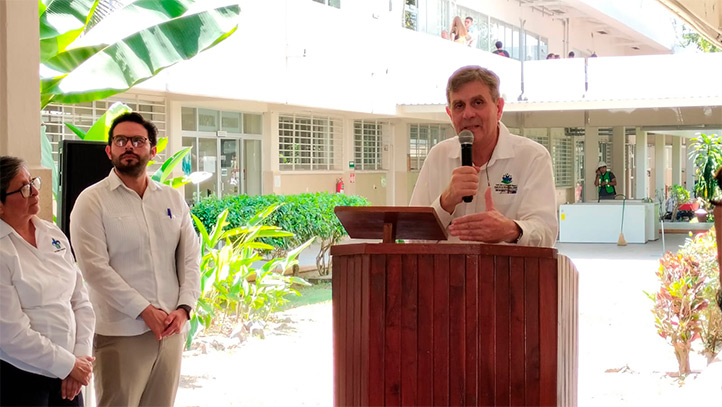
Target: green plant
[86,56]
[99,132]
[679,304]
[308,216]
[703,248]
[706,152]
[233,286]
[680,196]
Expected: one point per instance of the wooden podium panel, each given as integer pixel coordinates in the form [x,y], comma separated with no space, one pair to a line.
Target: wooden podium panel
[391,222]
[444,324]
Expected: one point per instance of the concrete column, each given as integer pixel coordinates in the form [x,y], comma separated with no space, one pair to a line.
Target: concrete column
[269,149]
[619,140]
[399,169]
[660,164]
[690,172]
[676,160]
[640,162]
[19,92]
[591,159]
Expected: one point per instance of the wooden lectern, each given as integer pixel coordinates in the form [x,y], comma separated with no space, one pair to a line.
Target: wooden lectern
[438,323]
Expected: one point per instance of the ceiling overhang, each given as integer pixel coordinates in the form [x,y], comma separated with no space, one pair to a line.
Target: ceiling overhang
[705,16]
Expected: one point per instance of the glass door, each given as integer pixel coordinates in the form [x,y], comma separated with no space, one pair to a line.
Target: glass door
[208,161]
[230,175]
[190,165]
[251,167]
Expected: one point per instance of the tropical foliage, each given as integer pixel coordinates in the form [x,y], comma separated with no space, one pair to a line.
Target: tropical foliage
[706,152]
[678,305]
[237,284]
[689,281]
[86,55]
[89,52]
[308,216]
[703,248]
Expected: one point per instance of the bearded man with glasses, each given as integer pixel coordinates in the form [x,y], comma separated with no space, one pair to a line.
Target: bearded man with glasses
[139,254]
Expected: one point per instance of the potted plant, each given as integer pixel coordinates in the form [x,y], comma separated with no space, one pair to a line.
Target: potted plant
[679,196]
[706,152]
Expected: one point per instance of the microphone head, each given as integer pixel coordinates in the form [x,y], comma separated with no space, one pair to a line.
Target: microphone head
[466,137]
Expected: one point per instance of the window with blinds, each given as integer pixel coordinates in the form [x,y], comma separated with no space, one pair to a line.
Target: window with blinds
[562,160]
[332,3]
[421,138]
[368,144]
[308,142]
[541,136]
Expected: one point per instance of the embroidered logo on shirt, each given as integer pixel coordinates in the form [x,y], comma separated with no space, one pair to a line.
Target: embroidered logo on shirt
[505,186]
[56,244]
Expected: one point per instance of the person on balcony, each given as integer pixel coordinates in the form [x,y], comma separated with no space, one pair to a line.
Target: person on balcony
[46,318]
[510,178]
[472,35]
[500,50]
[458,31]
[605,181]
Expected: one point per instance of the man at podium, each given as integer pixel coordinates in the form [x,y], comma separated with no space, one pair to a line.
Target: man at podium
[503,191]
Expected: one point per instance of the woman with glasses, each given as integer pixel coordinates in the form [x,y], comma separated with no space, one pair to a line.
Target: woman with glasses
[46,320]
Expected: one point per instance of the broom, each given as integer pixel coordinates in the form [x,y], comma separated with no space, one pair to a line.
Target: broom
[621,241]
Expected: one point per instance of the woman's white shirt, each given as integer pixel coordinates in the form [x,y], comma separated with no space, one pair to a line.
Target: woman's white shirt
[46,319]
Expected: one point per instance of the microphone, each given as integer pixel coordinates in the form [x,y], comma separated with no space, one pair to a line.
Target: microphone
[466,139]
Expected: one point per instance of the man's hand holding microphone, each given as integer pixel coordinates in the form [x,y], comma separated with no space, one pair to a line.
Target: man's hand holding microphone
[488,226]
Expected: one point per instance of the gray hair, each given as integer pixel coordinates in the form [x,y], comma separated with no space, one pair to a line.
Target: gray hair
[9,168]
[471,73]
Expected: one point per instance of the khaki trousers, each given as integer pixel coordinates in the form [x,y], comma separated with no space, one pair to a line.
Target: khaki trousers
[137,370]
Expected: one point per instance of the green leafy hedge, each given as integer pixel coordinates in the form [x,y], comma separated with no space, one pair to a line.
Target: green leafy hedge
[305,215]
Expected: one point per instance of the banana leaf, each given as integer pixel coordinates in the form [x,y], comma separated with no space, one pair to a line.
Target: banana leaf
[132,18]
[99,130]
[139,57]
[162,174]
[61,22]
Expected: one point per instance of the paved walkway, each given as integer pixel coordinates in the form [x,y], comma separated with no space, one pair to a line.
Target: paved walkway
[623,362]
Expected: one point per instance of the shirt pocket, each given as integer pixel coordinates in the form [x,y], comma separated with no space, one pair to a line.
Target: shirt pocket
[122,234]
[167,227]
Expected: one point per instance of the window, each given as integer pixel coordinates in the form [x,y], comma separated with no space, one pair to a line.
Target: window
[421,138]
[211,121]
[605,146]
[561,153]
[308,142]
[368,144]
[480,25]
[83,115]
[541,136]
[332,3]
[411,14]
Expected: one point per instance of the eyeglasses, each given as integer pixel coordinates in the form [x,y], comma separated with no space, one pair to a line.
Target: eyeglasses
[25,190]
[137,141]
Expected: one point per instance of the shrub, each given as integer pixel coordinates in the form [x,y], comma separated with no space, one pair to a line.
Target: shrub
[233,287]
[679,304]
[703,248]
[307,216]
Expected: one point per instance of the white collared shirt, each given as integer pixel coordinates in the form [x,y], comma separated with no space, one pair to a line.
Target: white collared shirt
[46,318]
[134,252]
[522,183]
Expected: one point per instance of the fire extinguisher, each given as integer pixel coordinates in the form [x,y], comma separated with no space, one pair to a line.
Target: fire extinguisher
[339,185]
